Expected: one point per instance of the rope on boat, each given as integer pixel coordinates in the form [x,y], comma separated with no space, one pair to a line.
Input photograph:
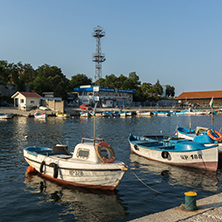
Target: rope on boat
[143,182]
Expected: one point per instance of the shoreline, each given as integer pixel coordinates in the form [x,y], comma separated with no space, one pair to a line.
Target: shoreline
[209,209]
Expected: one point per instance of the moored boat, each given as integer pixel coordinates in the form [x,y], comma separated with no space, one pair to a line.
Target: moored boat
[38,115]
[180,153]
[85,114]
[143,113]
[188,133]
[201,135]
[91,165]
[62,115]
[5,116]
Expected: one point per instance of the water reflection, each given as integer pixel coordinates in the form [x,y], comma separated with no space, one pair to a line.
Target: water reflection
[83,204]
[189,177]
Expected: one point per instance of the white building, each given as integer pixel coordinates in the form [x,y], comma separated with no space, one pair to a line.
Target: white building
[26,100]
[105,96]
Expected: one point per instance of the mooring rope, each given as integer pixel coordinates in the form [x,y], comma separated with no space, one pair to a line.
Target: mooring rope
[143,182]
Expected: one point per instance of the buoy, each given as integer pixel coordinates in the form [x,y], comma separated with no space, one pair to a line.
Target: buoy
[30,169]
[190,200]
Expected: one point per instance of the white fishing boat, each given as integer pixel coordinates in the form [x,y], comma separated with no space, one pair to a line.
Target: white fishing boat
[143,113]
[122,114]
[5,116]
[85,114]
[186,153]
[62,115]
[38,115]
[92,164]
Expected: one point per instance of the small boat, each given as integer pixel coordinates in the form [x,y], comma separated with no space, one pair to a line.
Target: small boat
[201,135]
[180,153]
[91,165]
[38,115]
[62,115]
[143,113]
[107,114]
[160,113]
[85,114]
[122,114]
[196,112]
[5,116]
[116,114]
[186,133]
[129,113]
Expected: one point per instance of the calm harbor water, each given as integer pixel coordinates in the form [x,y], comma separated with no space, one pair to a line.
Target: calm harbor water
[24,198]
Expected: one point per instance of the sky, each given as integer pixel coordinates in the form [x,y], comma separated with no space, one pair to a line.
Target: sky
[178,42]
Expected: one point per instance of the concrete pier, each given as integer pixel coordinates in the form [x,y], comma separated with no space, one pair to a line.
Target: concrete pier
[209,209]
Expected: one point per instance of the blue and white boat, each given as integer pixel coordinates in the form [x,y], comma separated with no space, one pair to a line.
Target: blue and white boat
[179,153]
[200,135]
[5,116]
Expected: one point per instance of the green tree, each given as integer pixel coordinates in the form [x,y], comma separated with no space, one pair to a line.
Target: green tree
[80,79]
[170,91]
[132,82]
[50,79]
[4,74]
[157,88]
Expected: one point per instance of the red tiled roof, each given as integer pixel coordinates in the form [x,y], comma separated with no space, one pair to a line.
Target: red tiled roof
[30,94]
[201,95]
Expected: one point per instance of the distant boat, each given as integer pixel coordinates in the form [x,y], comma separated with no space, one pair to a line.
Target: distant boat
[180,153]
[38,115]
[143,113]
[85,114]
[161,113]
[62,115]
[5,116]
[196,112]
[107,114]
[122,114]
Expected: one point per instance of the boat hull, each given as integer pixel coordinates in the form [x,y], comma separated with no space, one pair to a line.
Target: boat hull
[206,159]
[40,116]
[5,116]
[68,172]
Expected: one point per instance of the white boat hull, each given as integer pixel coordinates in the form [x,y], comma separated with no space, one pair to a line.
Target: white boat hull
[203,159]
[41,116]
[69,172]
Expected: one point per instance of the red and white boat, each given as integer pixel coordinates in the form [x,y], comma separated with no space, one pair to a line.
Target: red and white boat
[40,115]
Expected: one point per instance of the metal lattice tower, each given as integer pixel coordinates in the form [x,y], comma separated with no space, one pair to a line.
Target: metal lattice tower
[98,57]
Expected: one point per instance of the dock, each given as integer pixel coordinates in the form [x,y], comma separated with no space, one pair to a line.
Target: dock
[209,209]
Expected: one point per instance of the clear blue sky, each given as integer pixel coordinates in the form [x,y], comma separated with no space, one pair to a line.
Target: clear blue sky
[178,42]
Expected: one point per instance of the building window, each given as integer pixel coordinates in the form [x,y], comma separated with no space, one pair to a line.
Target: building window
[32,101]
[21,100]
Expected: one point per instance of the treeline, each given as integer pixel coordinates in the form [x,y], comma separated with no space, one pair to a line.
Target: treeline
[48,78]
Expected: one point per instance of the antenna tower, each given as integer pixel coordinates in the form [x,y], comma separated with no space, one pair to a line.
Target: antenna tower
[98,57]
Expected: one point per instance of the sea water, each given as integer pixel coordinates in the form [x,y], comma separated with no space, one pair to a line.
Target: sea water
[24,198]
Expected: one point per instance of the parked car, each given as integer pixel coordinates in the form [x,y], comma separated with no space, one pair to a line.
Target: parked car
[85,106]
[2,103]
